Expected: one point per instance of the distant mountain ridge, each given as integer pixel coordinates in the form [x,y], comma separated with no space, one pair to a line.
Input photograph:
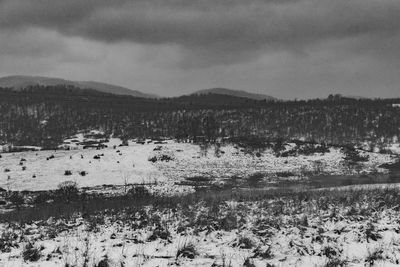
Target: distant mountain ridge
[236,93]
[18,82]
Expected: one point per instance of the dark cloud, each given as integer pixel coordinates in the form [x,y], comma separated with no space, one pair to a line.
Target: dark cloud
[286,48]
[212,32]
[33,43]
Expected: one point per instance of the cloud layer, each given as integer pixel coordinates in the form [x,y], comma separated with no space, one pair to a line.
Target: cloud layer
[205,34]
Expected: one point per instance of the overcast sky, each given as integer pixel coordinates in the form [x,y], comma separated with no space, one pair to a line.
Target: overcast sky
[283,48]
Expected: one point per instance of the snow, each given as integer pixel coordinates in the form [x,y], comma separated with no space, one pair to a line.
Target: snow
[127,166]
[131,165]
[342,236]
[281,239]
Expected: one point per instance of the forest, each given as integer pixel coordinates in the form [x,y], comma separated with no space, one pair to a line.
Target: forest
[45,115]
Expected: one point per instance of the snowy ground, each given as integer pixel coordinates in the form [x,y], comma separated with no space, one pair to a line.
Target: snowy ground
[335,228]
[44,170]
[117,166]
[346,226]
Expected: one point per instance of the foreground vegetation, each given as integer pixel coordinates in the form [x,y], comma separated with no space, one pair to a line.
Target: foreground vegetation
[244,227]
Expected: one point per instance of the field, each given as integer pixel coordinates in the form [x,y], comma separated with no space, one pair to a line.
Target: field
[164,203]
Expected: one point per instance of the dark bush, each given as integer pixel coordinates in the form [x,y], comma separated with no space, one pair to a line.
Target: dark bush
[153,159]
[374,256]
[8,240]
[245,243]
[103,263]
[67,172]
[263,252]
[188,250]
[249,263]
[329,252]
[67,191]
[352,155]
[30,253]
[336,262]
[160,233]
[229,222]
[160,158]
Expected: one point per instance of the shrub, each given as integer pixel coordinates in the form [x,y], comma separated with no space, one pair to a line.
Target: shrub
[263,252]
[371,233]
[249,263]
[329,252]
[67,191]
[7,241]
[278,147]
[68,172]
[160,233]
[188,250]
[312,149]
[336,262]
[153,159]
[229,222]
[303,221]
[30,253]
[94,222]
[353,155]
[103,263]
[245,242]
[374,256]
[163,157]
[82,173]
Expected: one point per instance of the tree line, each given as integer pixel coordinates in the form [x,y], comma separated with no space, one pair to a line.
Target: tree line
[45,115]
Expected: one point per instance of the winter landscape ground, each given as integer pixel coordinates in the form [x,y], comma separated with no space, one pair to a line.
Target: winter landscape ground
[166,133]
[167,203]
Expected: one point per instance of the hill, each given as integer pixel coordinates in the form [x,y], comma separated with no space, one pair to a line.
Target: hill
[215,100]
[235,93]
[19,82]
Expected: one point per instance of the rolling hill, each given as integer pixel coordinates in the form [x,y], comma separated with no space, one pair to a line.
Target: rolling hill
[235,93]
[19,82]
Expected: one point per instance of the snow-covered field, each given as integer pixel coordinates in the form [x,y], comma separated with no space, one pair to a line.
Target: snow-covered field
[117,166]
[333,228]
[44,170]
[346,226]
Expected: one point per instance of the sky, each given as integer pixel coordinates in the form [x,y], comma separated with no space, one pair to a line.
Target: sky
[284,48]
